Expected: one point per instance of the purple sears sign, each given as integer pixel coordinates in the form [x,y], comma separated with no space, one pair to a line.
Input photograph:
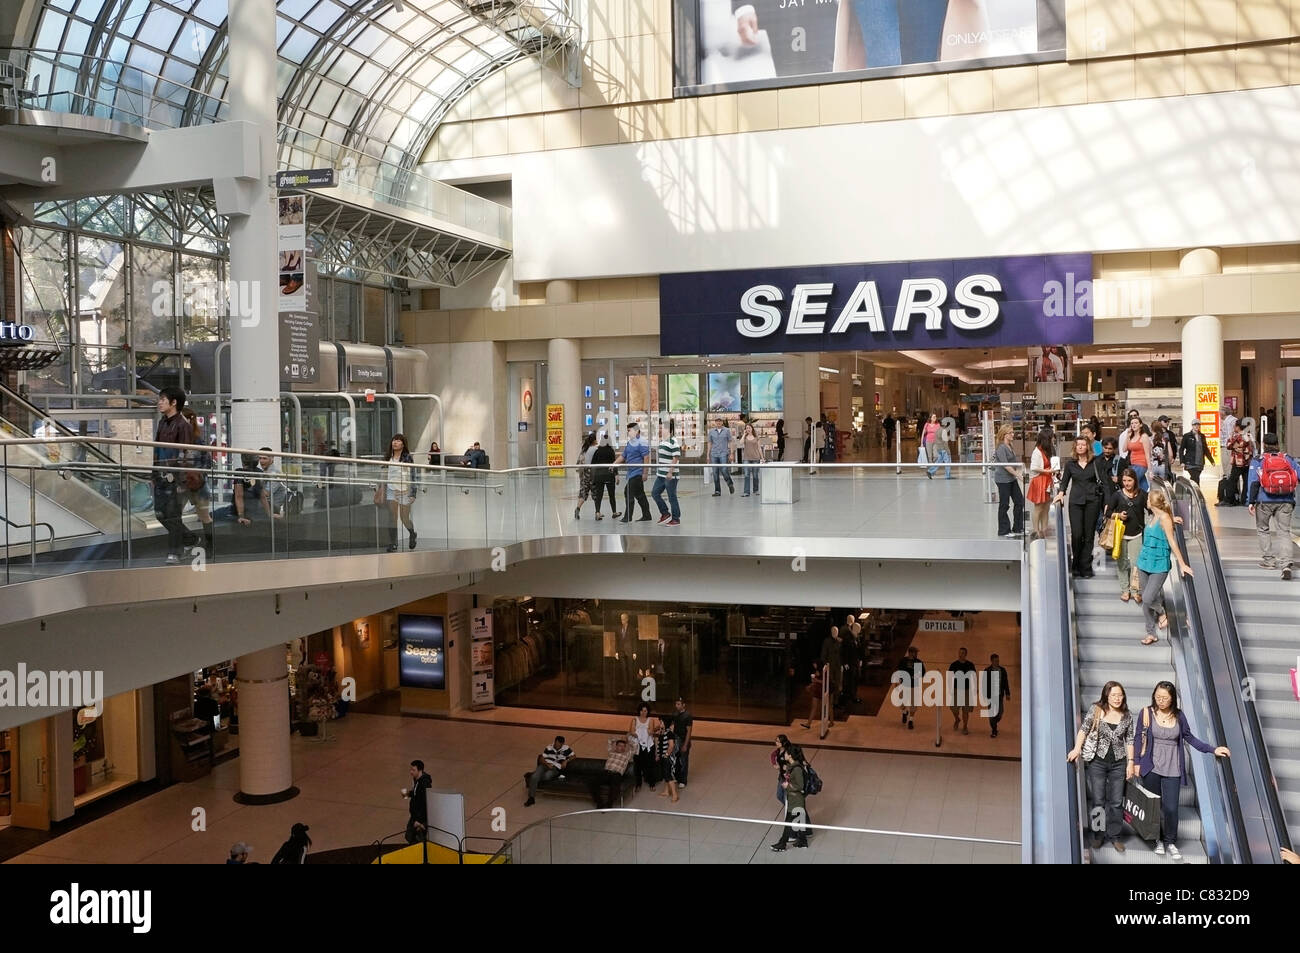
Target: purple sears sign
[920,305]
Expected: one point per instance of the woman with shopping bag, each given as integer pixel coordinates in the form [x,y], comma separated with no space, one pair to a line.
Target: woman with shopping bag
[1162,730]
[1125,519]
[1105,742]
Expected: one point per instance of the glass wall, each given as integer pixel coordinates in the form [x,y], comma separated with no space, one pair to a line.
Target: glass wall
[730,663]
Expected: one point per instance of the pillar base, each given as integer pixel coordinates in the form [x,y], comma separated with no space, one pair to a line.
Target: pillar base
[288,794]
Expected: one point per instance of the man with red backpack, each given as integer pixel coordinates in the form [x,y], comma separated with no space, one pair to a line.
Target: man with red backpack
[1271,497]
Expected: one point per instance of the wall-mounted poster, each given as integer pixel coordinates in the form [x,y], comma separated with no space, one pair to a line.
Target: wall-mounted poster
[724,393]
[422,651]
[1050,365]
[641,398]
[683,392]
[766,392]
[724,45]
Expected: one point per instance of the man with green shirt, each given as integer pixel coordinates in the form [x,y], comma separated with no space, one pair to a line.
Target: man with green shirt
[666,476]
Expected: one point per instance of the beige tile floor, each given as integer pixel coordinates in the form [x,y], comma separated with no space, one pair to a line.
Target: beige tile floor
[350,796]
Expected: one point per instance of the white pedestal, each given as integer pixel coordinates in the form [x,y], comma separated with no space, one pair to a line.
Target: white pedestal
[780,484]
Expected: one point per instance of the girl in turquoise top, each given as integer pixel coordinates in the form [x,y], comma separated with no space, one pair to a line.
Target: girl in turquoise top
[1159,549]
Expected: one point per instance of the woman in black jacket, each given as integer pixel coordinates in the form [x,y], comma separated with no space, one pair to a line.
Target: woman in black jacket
[294,850]
[1083,482]
[602,478]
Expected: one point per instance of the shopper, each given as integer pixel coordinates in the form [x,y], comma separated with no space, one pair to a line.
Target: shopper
[435,454]
[621,751]
[1089,433]
[399,491]
[751,455]
[796,815]
[962,689]
[1041,476]
[1239,452]
[1159,550]
[168,478]
[635,453]
[603,477]
[807,440]
[1129,507]
[1194,452]
[1006,475]
[780,439]
[1161,760]
[997,691]
[777,758]
[239,853]
[1082,481]
[666,477]
[683,730]
[294,850]
[666,762]
[585,481]
[931,431]
[889,425]
[550,765]
[1139,450]
[475,458]
[194,487]
[1110,464]
[720,455]
[1105,741]
[417,827]
[1272,497]
[644,729]
[815,689]
[908,675]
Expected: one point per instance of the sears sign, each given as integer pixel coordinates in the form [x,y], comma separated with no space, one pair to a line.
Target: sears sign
[977,302]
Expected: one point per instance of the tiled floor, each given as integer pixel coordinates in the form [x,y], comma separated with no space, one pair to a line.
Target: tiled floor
[350,796]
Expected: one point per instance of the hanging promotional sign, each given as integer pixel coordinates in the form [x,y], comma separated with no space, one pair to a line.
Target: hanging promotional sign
[1209,398]
[482,660]
[291,262]
[555,438]
[979,302]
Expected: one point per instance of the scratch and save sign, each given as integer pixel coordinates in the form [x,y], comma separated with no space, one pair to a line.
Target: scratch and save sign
[555,438]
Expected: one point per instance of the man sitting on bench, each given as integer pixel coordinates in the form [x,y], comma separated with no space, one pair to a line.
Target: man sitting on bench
[549,766]
[620,756]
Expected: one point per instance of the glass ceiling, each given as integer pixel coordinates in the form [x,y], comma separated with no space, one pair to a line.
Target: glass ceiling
[354,74]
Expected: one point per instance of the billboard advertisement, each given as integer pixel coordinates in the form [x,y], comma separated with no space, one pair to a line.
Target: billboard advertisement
[422,651]
[727,45]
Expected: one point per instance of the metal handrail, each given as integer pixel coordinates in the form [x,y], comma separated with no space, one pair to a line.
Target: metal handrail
[1200,527]
[1078,808]
[459,848]
[1196,642]
[795,825]
[7,393]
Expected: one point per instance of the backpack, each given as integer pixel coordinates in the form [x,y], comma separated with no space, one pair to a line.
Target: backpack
[812,782]
[1276,478]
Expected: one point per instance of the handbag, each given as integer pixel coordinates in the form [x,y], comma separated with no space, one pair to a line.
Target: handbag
[379,495]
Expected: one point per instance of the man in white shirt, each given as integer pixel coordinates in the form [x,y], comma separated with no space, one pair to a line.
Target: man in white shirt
[1229,420]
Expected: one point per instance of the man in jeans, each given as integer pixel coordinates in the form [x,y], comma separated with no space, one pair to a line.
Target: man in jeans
[720,455]
[1271,497]
[670,455]
[635,451]
[168,481]
[683,728]
[549,766]
[1240,452]
[620,756]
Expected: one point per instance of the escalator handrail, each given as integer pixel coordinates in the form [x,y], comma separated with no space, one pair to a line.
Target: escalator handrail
[1225,782]
[1078,807]
[1203,531]
[47,417]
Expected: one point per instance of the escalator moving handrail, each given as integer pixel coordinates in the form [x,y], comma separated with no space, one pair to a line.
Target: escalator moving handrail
[46,416]
[1236,659]
[1069,665]
[1225,781]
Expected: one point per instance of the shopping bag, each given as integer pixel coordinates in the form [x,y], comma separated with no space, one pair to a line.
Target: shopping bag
[1106,538]
[1117,543]
[920,455]
[1142,811]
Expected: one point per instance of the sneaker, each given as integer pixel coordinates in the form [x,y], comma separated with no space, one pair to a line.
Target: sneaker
[803,846]
[1174,855]
[173,559]
[904,717]
[719,493]
[614,516]
[530,802]
[664,518]
[744,494]
[674,522]
[1118,845]
[599,516]
[1267,564]
[1160,848]
[1286,573]
[778,847]
[911,725]
[643,519]
[577,513]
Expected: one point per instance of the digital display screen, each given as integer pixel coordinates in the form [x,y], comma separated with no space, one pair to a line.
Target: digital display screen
[422,651]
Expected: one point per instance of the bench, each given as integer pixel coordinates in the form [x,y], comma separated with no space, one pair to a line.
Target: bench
[580,778]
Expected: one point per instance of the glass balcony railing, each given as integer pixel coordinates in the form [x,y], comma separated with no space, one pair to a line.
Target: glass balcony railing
[628,836]
[219,503]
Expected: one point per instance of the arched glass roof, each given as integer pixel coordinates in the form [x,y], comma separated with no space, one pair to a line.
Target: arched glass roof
[359,74]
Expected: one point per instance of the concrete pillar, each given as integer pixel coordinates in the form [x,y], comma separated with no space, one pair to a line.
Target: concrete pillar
[561,292]
[564,386]
[1268,361]
[1202,344]
[265,767]
[847,365]
[802,399]
[1232,370]
[250,205]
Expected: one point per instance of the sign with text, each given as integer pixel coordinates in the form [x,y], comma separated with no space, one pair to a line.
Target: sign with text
[555,438]
[1038,300]
[482,660]
[291,253]
[305,179]
[941,625]
[1209,398]
[422,658]
[299,348]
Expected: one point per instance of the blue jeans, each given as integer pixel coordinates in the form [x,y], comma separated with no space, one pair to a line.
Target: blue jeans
[940,456]
[1167,788]
[665,483]
[751,470]
[895,32]
[1142,477]
[720,458]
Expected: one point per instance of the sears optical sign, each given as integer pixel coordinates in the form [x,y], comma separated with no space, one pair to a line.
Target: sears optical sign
[987,302]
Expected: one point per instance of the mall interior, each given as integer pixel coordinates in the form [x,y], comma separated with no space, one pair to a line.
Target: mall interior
[905,241]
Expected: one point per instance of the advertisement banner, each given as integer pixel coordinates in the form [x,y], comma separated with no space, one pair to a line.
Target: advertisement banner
[291,261]
[730,45]
[422,651]
[555,438]
[482,660]
[1050,365]
[528,402]
[1023,301]
[1208,402]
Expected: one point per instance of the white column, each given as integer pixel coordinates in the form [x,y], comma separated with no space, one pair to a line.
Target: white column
[265,766]
[1202,342]
[564,386]
[250,205]
[1268,359]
